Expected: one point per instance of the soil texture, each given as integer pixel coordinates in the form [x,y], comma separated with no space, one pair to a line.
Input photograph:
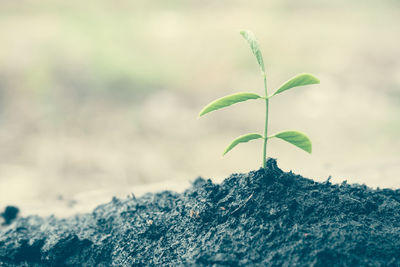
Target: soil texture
[263,218]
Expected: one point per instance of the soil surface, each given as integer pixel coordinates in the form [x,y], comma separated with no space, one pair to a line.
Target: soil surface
[262,218]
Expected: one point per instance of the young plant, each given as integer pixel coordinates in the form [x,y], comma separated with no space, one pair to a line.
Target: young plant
[294,137]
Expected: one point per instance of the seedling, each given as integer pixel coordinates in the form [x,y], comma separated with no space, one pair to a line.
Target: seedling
[296,138]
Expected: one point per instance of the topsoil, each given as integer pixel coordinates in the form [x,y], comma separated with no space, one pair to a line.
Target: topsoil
[263,218]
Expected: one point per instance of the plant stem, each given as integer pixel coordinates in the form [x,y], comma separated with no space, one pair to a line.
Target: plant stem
[266,122]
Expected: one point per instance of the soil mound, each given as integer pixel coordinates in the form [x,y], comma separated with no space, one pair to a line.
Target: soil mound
[262,218]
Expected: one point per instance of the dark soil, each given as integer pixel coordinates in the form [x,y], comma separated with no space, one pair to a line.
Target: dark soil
[10,213]
[262,218]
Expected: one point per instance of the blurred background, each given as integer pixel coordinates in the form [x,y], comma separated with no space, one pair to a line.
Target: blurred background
[100,98]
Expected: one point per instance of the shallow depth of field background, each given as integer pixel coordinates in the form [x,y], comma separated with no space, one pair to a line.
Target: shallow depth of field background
[100,98]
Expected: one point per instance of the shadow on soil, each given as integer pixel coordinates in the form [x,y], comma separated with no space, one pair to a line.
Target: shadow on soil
[268,218]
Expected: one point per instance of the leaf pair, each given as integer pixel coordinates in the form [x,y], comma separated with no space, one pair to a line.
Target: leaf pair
[226,101]
[296,138]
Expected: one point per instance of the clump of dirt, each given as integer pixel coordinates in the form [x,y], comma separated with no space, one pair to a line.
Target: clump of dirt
[10,214]
[265,217]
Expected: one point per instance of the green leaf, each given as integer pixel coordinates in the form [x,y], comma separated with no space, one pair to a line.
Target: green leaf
[298,80]
[255,47]
[227,101]
[296,138]
[242,139]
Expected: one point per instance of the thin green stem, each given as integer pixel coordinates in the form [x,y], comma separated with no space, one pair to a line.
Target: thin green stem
[266,122]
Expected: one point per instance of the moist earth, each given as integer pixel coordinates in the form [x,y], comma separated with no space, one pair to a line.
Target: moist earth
[262,218]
